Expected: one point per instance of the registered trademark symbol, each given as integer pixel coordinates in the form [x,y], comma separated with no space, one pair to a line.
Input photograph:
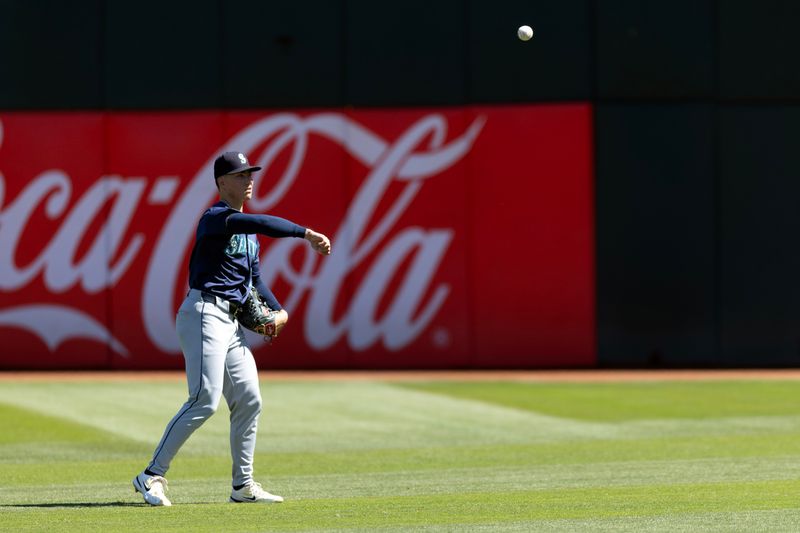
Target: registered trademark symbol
[440,338]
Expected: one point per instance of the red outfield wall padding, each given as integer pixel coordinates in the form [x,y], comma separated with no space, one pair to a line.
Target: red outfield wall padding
[462,237]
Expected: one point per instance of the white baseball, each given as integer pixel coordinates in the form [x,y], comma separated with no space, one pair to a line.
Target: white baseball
[524,33]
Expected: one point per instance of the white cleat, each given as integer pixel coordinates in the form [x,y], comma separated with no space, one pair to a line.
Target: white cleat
[253,493]
[152,488]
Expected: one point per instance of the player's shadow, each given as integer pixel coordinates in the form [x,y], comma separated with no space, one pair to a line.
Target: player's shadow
[80,504]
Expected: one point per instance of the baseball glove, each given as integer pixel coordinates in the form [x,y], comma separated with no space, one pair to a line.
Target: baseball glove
[254,315]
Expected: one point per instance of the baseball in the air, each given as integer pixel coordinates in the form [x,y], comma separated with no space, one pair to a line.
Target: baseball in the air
[525,33]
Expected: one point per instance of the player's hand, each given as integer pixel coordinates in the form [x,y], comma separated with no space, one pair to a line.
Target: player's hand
[319,242]
[281,317]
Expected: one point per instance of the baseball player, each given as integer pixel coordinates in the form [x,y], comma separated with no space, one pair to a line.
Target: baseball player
[223,267]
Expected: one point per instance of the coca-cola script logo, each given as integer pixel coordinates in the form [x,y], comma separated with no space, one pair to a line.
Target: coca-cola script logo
[419,153]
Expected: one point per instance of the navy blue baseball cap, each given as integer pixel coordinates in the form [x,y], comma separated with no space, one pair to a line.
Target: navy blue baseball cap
[232,163]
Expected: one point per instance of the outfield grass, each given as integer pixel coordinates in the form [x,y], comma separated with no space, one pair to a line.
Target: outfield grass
[432,456]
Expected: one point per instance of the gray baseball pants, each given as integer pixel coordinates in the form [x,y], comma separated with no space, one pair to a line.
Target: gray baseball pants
[218,363]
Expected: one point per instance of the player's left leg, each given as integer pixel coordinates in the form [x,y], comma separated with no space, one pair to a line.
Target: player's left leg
[241,391]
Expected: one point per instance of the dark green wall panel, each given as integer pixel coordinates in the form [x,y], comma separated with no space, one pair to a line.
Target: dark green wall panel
[660,50]
[405,53]
[289,54]
[50,54]
[163,54]
[555,65]
[758,49]
[760,258]
[655,235]
[242,53]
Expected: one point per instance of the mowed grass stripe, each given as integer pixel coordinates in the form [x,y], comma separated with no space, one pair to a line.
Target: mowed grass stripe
[750,521]
[29,437]
[614,402]
[31,463]
[302,417]
[451,481]
[411,511]
[30,426]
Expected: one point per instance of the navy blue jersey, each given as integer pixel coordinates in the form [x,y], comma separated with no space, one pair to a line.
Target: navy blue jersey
[224,262]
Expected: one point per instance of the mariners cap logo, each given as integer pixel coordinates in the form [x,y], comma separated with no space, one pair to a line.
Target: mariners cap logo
[232,163]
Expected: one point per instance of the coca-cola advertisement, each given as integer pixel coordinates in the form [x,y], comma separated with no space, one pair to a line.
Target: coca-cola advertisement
[461,237]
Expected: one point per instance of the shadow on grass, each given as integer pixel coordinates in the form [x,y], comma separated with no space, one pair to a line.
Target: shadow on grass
[79,504]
